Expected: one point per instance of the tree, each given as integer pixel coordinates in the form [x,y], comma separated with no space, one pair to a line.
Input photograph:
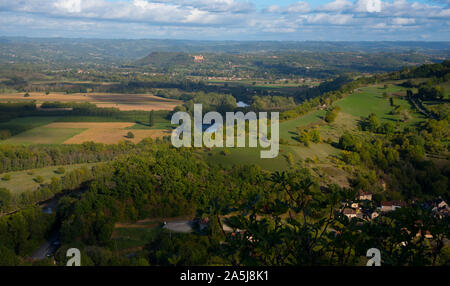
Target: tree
[349,142]
[304,138]
[315,136]
[387,128]
[372,123]
[330,116]
[391,101]
[130,135]
[152,119]
[8,257]
[5,200]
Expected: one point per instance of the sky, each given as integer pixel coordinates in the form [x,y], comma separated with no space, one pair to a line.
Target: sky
[318,20]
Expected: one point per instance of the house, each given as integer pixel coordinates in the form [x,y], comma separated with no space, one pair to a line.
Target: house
[391,206]
[387,206]
[350,213]
[428,234]
[440,207]
[365,196]
[441,204]
[354,205]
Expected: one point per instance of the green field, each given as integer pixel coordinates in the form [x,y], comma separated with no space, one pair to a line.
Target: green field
[43,135]
[22,181]
[360,104]
[32,130]
[288,128]
[319,151]
[26,123]
[247,156]
[370,100]
[251,156]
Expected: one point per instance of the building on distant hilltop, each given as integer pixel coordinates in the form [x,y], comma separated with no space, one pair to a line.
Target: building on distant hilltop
[199,59]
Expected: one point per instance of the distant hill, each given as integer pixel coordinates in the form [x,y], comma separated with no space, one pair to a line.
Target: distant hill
[102,51]
[165,60]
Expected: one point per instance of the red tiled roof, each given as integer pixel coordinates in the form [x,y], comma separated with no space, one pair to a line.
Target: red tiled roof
[349,211]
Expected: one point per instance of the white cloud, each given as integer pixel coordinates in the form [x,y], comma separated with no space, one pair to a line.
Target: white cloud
[323,18]
[444,13]
[403,21]
[371,6]
[300,7]
[71,6]
[233,16]
[337,5]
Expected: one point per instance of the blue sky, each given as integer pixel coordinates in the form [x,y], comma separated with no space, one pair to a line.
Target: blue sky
[331,20]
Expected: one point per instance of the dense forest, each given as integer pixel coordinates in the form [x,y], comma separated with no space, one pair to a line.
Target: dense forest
[287,217]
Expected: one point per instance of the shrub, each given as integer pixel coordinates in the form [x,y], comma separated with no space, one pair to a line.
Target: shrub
[39,179]
[315,136]
[130,135]
[60,170]
[5,134]
[6,177]
[26,95]
[331,115]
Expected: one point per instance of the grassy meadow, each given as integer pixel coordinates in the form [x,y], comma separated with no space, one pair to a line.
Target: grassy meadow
[354,107]
[22,181]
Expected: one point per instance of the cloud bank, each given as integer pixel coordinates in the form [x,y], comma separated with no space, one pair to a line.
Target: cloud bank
[228,19]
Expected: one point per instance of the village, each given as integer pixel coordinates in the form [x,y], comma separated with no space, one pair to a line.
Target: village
[363,208]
